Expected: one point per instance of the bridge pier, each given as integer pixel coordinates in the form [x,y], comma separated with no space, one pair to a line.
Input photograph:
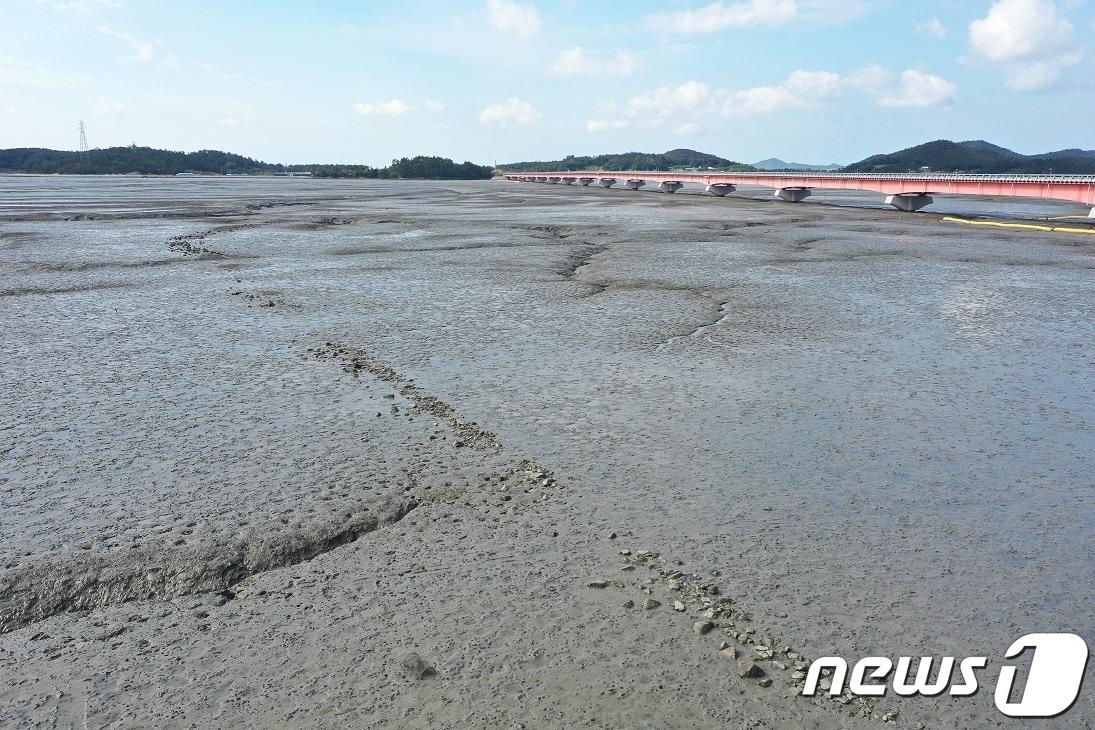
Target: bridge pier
[720,189]
[554,180]
[635,184]
[670,186]
[793,195]
[909,202]
[607,182]
[569,180]
[1091,214]
[585,180]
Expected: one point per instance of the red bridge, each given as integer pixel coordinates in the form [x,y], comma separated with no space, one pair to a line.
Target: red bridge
[905,192]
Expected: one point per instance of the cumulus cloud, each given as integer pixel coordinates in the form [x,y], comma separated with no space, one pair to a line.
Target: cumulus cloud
[919,89]
[932,27]
[722,16]
[801,88]
[1032,38]
[141,51]
[576,62]
[393,108]
[914,89]
[513,18]
[511,112]
[666,100]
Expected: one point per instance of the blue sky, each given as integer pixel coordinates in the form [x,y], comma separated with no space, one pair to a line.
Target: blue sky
[502,80]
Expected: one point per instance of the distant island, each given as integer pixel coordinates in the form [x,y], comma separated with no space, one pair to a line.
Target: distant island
[678,159]
[776,164]
[149,161]
[978,156]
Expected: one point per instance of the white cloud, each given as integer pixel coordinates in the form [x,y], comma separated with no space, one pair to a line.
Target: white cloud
[919,89]
[141,51]
[576,62]
[666,100]
[1031,37]
[435,106]
[686,129]
[1036,75]
[933,27]
[914,89]
[510,17]
[1015,29]
[722,16]
[244,118]
[107,107]
[602,125]
[512,111]
[800,89]
[393,108]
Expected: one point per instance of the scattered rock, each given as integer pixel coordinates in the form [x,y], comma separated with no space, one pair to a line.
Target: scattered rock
[651,603]
[598,583]
[890,716]
[765,682]
[417,667]
[747,669]
[702,627]
[629,604]
[729,654]
[678,606]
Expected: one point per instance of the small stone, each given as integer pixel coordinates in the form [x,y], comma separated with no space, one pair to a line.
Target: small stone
[651,603]
[723,645]
[702,627]
[780,614]
[417,667]
[766,682]
[612,536]
[890,716]
[798,676]
[625,552]
[678,606]
[598,583]
[747,669]
[780,665]
[629,604]
[729,654]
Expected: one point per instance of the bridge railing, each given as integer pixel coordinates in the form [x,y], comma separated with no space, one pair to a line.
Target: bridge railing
[926,176]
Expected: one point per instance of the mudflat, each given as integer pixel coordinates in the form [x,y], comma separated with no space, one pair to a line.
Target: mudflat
[587,453]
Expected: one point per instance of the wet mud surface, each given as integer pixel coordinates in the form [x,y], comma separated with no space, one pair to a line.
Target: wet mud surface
[263,439]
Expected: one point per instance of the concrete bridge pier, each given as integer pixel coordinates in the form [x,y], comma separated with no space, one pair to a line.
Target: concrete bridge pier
[554,180]
[585,180]
[670,186]
[569,180]
[635,184]
[909,202]
[607,182]
[1091,214]
[793,195]
[720,189]
[541,179]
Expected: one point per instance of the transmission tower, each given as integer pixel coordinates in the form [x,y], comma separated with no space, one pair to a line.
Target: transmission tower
[83,136]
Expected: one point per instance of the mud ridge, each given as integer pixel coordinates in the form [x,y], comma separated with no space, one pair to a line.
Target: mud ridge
[36,592]
[355,360]
[190,244]
[722,313]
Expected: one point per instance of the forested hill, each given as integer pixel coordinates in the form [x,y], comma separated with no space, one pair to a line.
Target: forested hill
[978,156]
[122,160]
[671,160]
[149,161]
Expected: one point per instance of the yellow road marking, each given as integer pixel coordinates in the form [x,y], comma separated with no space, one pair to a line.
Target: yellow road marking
[1021,226]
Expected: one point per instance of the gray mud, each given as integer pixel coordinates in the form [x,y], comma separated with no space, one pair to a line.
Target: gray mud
[264,439]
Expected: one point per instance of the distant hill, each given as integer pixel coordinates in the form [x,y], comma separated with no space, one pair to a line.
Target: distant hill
[149,161]
[978,156]
[671,160]
[122,160]
[774,163]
